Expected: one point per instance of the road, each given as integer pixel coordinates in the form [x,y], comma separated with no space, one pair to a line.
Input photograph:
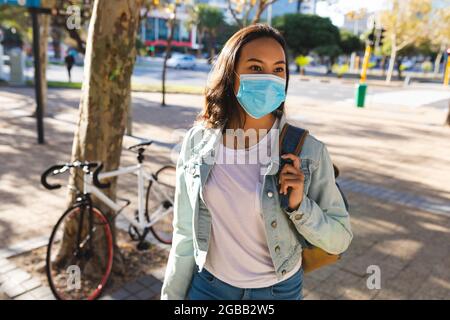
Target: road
[149,71]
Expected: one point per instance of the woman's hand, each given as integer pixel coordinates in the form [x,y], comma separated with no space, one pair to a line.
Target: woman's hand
[292,176]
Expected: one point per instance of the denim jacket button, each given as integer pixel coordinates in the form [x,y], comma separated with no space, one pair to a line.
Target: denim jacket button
[274,224]
[283,272]
[298,216]
[270,194]
[277,249]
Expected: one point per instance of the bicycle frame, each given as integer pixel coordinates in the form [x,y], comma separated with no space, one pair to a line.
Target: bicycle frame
[142,177]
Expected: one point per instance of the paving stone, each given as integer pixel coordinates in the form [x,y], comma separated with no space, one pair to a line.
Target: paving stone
[25,296]
[41,292]
[48,297]
[7,268]
[18,276]
[145,294]
[13,289]
[156,287]
[31,284]
[147,280]
[134,287]
[3,262]
[120,294]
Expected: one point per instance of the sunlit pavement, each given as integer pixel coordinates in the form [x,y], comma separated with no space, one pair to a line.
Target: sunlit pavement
[394,161]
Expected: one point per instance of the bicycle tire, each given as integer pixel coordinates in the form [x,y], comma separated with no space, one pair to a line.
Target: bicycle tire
[168,221]
[110,248]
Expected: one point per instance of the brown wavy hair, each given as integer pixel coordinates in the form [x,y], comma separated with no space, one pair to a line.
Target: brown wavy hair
[221,104]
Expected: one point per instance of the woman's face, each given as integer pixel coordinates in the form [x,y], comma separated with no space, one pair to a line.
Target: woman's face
[262,55]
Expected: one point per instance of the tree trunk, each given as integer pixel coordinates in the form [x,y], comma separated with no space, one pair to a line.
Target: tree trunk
[211,49]
[56,35]
[109,61]
[233,12]
[299,6]
[166,56]
[437,62]
[44,22]
[200,42]
[391,65]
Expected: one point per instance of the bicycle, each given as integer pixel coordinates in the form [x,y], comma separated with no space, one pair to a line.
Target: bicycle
[81,247]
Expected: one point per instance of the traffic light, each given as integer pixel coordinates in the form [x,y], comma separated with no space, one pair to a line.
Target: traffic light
[380,37]
[371,37]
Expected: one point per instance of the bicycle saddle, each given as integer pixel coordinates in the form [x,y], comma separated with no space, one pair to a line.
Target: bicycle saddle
[141,144]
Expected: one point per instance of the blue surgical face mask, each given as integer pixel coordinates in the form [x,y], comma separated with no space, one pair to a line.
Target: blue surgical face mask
[260,94]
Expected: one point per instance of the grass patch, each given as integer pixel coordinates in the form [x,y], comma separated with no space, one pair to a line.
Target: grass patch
[134,87]
[62,84]
[169,88]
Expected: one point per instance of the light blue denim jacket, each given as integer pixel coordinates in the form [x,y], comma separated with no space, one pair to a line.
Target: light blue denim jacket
[321,218]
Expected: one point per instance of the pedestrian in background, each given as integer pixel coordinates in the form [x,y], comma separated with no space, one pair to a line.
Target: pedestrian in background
[69,61]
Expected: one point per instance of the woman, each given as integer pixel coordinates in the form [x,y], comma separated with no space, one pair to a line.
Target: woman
[232,239]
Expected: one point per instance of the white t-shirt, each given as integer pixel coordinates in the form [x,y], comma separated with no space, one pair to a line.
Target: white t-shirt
[238,252]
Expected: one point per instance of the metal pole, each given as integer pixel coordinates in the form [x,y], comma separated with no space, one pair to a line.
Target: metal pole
[37,77]
[269,15]
[447,69]
[365,64]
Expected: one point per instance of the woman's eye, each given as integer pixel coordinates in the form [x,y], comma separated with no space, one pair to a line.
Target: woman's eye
[255,68]
[279,69]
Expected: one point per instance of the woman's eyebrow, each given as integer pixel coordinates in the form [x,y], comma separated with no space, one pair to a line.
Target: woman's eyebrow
[260,61]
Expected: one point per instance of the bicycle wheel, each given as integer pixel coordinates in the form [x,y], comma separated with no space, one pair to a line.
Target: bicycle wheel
[160,197]
[79,254]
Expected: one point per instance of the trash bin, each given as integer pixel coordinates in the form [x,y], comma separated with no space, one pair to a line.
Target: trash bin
[17,66]
[361,89]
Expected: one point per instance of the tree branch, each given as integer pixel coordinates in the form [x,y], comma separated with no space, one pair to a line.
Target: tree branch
[233,13]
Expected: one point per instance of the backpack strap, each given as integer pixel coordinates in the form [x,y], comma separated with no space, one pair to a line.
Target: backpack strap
[291,141]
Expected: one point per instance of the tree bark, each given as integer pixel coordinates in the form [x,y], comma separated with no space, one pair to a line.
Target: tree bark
[437,62]
[391,65]
[172,22]
[109,61]
[200,42]
[44,22]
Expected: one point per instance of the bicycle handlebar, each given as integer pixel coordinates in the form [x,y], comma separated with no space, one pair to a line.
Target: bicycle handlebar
[54,170]
[97,183]
[86,166]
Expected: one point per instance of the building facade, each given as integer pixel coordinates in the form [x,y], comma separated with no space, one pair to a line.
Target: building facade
[154,30]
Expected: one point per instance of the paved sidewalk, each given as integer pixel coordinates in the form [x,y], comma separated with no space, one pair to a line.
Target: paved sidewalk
[17,284]
[394,162]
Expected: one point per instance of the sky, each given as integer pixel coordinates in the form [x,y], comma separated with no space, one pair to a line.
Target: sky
[336,12]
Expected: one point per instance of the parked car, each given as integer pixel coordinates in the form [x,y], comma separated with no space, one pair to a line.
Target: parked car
[181,61]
